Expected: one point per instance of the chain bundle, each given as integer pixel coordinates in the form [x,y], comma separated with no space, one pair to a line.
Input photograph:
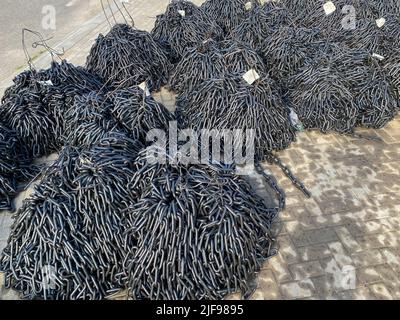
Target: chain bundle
[182,26]
[287,50]
[126,56]
[260,23]
[200,230]
[137,113]
[213,60]
[66,241]
[89,120]
[322,99]
[229,14]
[23,109]
[14,166]
[231,103]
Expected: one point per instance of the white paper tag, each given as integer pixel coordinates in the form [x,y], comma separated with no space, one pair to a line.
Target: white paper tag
[143,86]
[294,119]
[248,6]
[329,8]
[46,83]
[380,22]
[182,13]
[378,56]
[251,76]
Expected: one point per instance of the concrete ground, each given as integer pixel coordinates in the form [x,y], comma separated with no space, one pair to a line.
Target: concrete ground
[344,242]
[37,15]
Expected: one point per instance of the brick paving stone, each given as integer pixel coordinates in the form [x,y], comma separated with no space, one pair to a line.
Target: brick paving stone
[306,270]
[367,258]
[298,289]
[340,255]
[347,239]
[392,258]
[314,252]
[367,275]
[363,293]
[267,288]
[324,285]
[390,279]
[287,250]
[330,266]
[321,236]
[380,291]
[279,269]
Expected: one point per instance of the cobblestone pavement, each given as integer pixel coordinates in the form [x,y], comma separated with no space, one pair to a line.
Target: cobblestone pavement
[344,242]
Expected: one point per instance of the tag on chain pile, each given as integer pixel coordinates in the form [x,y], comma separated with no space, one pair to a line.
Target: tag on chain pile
[378,56]
[329,8]
[251,76]
[182,13]
[380,22]
[46,83]
[143,86]
[294,119]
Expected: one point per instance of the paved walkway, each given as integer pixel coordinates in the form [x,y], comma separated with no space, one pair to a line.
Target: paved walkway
[344,243]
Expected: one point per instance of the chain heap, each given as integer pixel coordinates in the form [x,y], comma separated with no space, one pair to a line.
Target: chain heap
[213,60]
[201,232]
[231,103]
[229,14]
[126,56]
[182,26]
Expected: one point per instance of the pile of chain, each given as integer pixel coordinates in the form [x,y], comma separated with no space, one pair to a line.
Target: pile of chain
[392,68]
[138,113]
[89,120]
[67,82]
[15,166]
[322,99]
[373,92]
[230,102]
[260,24]
[67,240]
[287,50]
[340,89]
[200,232]
[182,26]
[229,14]
[368,36]
[99,114]
[24,110]
[315,14]
[126,56]
[213,60]
[35,105]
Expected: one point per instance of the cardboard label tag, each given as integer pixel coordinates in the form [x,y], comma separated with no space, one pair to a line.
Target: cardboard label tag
[46,83]
[143,86]
[378,56]
[380,22]
[182,13]
[251,76]
[329,8]
[248,6]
